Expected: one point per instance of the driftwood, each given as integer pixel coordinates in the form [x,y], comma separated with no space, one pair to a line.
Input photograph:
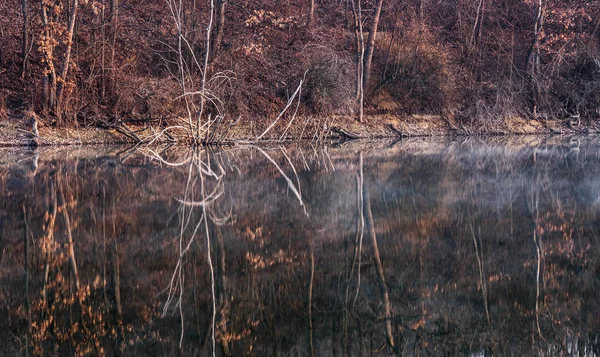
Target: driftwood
[346,135]
[399,133]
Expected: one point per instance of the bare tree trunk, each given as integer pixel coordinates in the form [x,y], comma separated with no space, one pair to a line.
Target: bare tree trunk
[477,26]
[65,68]
[371,43]
[49,95]
[209,29]
[533,58]
[25,44]
[114,24]
[219,28]
[311,14]
[360,48]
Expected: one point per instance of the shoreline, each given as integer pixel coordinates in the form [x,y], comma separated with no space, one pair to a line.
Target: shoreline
[14,133]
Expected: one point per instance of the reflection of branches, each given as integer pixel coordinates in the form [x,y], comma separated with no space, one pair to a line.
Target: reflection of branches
[482,278]
[379,270]
[361,223]
[533,206]
[198,171]
[287,179]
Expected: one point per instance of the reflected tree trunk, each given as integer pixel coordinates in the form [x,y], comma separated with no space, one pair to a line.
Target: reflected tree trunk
[116,288]
[537,241]
[379,270]
[310,298]
[71,246]
[48,238]
[26,276]
[360,223]
[482,277]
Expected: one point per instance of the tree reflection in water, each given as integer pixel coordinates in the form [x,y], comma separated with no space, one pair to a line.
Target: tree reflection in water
[419,247]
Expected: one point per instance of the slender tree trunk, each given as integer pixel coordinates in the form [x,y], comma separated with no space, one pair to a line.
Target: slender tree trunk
[25,44]
[311,283]
[360,49]
[26,263]
[65,68]
[114,24]
[209,30]
[49,94]
[371,43]
[379,268]
[533,57]
[219,28]
[311,14]
[476,32]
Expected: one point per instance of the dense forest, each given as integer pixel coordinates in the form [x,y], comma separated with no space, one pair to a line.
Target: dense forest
[95,62]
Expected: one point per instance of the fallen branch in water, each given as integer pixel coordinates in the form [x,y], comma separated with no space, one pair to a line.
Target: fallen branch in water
[345,134]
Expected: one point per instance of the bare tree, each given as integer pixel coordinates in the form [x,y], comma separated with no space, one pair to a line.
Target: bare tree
[371,43]
[360,49]
[47,49]
[533,57]
[219,27]
[311,14]
[114,23]
[67,58]
[477,26]
[25,43]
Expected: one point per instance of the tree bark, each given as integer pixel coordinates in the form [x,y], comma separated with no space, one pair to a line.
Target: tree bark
[477,26]
[311,14]
[360,61]
[371,43]
[65,68]
[219,28]
[25,44]
[533,57]
[114,23]
[49,94]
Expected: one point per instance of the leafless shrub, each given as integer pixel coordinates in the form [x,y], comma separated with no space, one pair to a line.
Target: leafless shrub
[416,71]
[577,90]
[488,104]
[329,81]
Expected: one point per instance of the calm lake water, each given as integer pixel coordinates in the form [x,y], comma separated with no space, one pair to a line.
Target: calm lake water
[480,247]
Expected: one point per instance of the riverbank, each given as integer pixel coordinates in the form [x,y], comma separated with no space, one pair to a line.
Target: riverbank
[16,132]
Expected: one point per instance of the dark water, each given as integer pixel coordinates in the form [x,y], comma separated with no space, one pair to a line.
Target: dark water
[417,248]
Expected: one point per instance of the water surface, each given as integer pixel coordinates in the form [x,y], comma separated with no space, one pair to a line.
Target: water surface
[419,247]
